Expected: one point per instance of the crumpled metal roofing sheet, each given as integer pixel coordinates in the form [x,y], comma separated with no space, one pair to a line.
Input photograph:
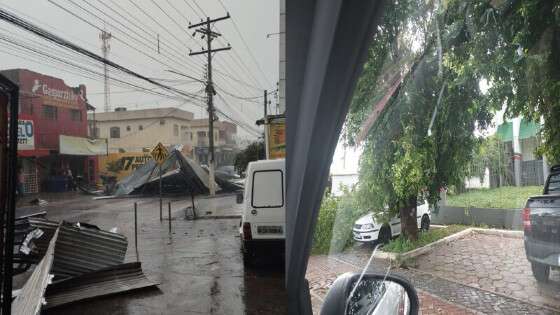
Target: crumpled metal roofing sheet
[30,299]
[108,281]
[81,249]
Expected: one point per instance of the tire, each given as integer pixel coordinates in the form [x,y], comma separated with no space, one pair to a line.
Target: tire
[384,235]
[425,223]
[248,257]
[540,271]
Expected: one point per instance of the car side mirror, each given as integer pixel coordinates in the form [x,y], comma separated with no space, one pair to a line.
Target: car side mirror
[239,198]
[371,293]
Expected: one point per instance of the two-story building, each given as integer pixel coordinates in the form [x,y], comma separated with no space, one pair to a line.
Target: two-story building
[140,130]
[225,142]
[53,131]
[133,133]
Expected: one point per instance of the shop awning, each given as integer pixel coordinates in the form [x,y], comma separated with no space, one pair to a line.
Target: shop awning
[82,146]
[505,131]
[528,129]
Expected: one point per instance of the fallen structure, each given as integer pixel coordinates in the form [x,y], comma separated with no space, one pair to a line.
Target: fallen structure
[30,299]
[81,248]
[179,175]
[84,261]
[104,282]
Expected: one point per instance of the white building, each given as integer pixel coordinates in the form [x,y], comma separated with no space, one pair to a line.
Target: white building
[344,168]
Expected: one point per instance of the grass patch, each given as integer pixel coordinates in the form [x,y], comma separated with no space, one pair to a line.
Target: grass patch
[402,245]
[503,197]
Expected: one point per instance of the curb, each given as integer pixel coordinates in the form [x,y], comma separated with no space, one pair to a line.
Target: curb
[446,240]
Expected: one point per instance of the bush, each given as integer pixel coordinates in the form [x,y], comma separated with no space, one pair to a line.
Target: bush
[403,245]
[333,232]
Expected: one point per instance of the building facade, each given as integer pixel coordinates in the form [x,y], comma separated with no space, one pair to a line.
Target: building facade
[49,110]
[140,130]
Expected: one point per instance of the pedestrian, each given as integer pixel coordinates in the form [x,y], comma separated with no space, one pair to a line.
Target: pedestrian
[71,186]
[20,182]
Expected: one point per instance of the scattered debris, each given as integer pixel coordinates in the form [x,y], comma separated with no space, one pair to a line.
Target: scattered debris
[30,298]
[107,281]
[26,245]
[39,202]
[179,174]
[81,247]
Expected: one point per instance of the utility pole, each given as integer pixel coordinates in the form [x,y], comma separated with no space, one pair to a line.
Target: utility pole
[105,47]
[204,28]
[266,144]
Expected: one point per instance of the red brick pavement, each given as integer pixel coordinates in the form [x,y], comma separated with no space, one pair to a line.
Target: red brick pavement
[323,270]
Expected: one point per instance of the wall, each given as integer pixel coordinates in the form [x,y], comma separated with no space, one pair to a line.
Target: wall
[347,180]
[498,218]
[153,132]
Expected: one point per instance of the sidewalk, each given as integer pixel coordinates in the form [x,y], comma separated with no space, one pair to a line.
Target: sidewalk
[437,295]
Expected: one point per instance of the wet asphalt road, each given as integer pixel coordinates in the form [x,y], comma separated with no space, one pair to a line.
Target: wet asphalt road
[199,266]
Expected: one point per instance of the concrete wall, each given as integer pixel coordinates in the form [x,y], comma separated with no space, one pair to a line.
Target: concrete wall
[499,218]
[152,132]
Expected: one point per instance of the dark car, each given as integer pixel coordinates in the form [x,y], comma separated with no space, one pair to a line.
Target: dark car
[541,222]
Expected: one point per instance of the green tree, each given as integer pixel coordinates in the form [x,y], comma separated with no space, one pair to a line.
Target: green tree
[516,49]
[253,152]
[424,138]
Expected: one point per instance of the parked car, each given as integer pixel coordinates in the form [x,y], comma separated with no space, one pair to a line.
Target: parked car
[541,225]
[367,229]
[263,221]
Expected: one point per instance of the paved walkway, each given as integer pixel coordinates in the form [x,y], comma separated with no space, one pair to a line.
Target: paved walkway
[492,263]
[438,295]
[323,270]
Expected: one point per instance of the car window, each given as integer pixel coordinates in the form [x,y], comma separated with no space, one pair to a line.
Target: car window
[449,111]
[267,190]
[554,183]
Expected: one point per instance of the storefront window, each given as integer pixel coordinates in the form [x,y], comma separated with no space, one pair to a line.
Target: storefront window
[50,112]
[75,115]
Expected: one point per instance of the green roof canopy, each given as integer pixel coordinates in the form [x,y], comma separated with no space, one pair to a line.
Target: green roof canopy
[505,131]
[528,129]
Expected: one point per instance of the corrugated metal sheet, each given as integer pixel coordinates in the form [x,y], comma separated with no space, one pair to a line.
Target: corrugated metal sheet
[81,249]
[30,299]
[112,280]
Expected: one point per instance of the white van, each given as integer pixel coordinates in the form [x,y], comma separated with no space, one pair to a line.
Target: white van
[263,221]
[366,229]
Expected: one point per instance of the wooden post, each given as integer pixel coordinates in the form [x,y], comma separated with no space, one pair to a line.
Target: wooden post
[193,209]
[136,226]
[169,216]
[160,200]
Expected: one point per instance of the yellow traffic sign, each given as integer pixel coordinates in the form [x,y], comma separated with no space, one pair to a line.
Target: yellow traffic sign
[159,153]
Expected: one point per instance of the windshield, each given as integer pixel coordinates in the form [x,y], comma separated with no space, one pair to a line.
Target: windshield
[451,128]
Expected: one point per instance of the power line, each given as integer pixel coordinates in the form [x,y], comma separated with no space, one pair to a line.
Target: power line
[115,37]
[62,42]
[18,44]
[246,46]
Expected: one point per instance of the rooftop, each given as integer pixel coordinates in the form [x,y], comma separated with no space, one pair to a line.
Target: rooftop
[165,112]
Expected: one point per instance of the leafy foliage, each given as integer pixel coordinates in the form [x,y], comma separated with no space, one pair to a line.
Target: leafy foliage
[410,150]
[253,152]
[333,231]
[489,153]
[423,139]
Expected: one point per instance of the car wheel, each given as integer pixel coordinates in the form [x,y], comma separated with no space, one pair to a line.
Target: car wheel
[384,235]
[540,271]
[425,223]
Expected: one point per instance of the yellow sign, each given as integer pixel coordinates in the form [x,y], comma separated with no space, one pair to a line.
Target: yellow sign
[159,153]
[121,164]
[277,138]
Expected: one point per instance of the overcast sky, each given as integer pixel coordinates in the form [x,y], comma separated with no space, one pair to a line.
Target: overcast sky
[243,72]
